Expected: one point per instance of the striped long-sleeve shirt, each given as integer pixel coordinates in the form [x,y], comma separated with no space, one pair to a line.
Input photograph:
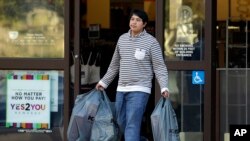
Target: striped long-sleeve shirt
[137,59]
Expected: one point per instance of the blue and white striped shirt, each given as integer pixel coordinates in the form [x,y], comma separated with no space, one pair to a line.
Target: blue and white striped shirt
[137,59]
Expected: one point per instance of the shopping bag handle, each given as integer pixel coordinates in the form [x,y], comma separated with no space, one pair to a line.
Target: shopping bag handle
[163,102]
[102,93]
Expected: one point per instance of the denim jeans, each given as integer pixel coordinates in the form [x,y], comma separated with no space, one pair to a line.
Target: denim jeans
[130,107]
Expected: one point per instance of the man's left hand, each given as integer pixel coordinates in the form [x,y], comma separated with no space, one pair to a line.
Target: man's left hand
[165,94]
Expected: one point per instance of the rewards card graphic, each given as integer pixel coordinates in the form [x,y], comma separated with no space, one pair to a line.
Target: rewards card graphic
[28,101]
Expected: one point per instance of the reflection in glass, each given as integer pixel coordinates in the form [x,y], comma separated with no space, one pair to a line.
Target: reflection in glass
[183,30]
[187,100]
[32,28]
[24,108]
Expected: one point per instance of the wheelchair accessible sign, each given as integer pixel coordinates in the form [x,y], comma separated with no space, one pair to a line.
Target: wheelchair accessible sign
[198,77]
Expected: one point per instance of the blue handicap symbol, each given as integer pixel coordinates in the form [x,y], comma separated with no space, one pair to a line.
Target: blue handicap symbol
[198,77]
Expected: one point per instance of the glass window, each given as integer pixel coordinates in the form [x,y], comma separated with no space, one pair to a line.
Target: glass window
[184,30]
[187,100]
[32,102]
[234,100]
[32,29]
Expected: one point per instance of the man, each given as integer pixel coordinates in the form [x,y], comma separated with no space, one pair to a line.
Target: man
[137,57]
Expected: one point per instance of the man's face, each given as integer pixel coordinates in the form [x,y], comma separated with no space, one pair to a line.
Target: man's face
[136,24]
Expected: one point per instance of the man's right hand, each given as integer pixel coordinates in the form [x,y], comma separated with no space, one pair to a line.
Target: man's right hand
[99,87]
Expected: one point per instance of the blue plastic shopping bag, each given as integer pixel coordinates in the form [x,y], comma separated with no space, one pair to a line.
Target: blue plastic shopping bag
[164,122]
[104,127]
[83,115]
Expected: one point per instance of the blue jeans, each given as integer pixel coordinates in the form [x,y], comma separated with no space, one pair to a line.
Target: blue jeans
[130,107]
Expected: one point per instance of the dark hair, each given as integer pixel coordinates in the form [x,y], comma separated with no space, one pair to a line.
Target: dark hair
[140,13]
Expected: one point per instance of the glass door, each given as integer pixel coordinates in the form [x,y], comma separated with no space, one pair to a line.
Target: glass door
[187,47]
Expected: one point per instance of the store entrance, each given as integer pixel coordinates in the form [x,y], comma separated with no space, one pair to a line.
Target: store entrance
[95,34]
